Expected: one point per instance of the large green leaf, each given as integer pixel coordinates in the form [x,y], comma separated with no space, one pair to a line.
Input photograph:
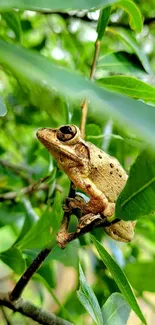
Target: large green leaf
[40,233]
[130,86]
[116,310]
[26,64]
[120,279]
[54,4]
[120,62]
[89,300]
[138,196]
[128,37]
[130,7]
[141,275]
[3,109]
[13,258]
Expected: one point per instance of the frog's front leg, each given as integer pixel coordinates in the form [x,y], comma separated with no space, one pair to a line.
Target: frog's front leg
[98,202]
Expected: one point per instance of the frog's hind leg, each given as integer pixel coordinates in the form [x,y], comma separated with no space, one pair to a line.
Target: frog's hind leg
[94,206]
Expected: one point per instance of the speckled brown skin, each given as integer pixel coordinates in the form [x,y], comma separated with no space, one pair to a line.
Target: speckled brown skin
[96,173]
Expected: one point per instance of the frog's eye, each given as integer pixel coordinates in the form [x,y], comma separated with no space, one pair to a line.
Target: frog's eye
[67,133]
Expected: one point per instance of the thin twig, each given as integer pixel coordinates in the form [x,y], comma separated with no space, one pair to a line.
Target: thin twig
[23,171]
[27,275]
[26,190]
[16,168]
[84,106]
[26,308]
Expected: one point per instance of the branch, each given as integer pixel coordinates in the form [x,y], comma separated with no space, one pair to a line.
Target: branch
[26,308]
[19,170]
[27,275]
[16,168]
[26,190]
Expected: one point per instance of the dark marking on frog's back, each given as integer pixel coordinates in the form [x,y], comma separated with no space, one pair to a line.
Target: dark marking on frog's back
[100,156]
[111,165]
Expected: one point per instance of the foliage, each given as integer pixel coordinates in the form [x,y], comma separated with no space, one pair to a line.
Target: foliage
[46,54]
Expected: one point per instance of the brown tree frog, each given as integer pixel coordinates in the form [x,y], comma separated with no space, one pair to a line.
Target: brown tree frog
[93,171]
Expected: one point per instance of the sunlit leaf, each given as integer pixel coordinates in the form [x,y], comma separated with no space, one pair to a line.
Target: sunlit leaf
[89,300]
[130,86]
[120,279]
[115,310]
[130,7]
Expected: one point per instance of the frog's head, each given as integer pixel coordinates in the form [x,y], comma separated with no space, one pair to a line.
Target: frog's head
[65,145]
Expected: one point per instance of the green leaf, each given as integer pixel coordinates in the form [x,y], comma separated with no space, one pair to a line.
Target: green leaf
[54,5]
[130,7]
[130,86]
[46,272]
[103,22]
[140,275]
[120,279]
[13,258]
[40,234]
[89,300]
[115,310]
[120,62]
[128,37]
[38,69]
[68,256]
[3,109]
[138,196]
[13,21]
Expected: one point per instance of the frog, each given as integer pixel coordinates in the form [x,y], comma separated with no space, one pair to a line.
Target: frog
[99,175]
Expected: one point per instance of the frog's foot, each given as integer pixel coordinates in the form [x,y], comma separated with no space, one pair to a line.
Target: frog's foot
[121,230]
[87,220]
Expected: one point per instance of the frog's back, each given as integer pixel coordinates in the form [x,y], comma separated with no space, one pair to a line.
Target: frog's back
[106,173]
